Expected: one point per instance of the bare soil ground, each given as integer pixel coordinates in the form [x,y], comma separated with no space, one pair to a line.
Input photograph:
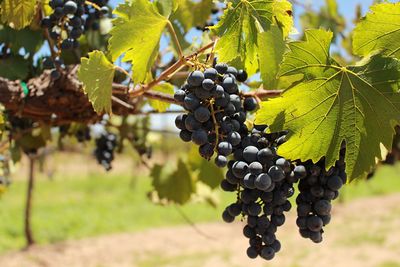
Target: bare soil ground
[363,233]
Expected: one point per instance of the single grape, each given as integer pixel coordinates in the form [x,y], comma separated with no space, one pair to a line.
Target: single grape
[250,104]
[250,153]
[221,68]
[224,148]
[241,76]
[180,95]
[263,181]
[199,137]
[185,135]
[202,114]
[195,78]
[221,161]
[70,7]
[335,183]
[314,223]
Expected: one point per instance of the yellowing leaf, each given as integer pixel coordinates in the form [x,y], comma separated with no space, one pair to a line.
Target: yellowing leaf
[166,88]
[97,73]
[18,13]
[379,30]
[283,15]
[358,105]
[137,31]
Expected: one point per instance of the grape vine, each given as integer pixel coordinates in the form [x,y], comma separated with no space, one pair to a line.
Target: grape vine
[267,112]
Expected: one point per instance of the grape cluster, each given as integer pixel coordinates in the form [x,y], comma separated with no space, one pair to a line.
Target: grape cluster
[104,152]
[83,134]
[216,111]
[264,183]
[317,190]
[263,180]
[69,20]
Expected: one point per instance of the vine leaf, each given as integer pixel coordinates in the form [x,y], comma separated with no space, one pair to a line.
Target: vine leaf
[379,30]
[190,13]
[358,105]
[26,38]
[271,49]
[166,7]
[97,73]
[17,13]
[242,25]
[14,68]
[136,34]
[166,88]
[177,186]
[208,172]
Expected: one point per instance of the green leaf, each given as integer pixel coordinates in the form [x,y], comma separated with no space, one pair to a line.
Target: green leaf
[271,49]
[18,13]
[283,15]
[190,13]
[166,88]
[379,30]
[14,67]
[176,187]
[26,38]
[208,172]
[137,31]
[358,105]
[241,26]
[97,73]
[166,7]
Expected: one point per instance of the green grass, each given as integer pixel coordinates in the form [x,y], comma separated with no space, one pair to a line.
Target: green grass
[90,205]
[390,264]
[385,181]
[76,205]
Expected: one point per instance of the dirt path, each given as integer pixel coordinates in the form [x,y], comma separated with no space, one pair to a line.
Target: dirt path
[364,233]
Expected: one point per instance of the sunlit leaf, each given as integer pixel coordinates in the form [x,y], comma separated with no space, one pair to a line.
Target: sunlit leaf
[242,31]
[335,104]
[136,34]
[17,13]
[97,73]
[379,30]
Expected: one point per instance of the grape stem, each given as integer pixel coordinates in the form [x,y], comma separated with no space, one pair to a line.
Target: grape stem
[215,123]
[168,72]
[175,38]
[93,5]
[262,93]
[122,103]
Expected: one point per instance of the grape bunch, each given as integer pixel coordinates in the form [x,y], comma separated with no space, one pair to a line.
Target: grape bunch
[104,152]
[83,134]
[67,23]
[264,182]
[216,111]
[317,190]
